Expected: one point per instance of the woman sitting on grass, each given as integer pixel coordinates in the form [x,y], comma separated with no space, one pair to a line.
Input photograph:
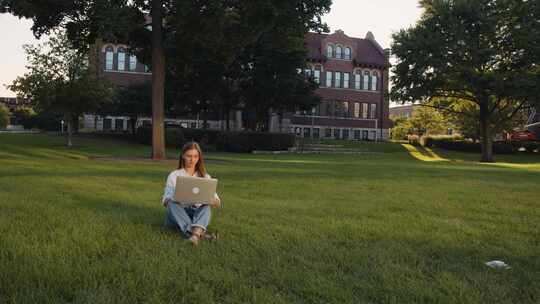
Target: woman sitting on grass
[193,219]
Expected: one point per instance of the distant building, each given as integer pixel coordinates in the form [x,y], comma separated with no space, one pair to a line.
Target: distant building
[13,103]
[404,111]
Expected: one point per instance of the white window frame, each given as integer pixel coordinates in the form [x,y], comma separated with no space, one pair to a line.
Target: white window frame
[346,80]
[317,76]
[374,80]
[357,109]
[121,59]
[348,53]
[373,111]
[339,52]
[357,81]
[365,108]
[132,62]
[337,80]
[109,58]
[330,51]
[365,84]
[329,79]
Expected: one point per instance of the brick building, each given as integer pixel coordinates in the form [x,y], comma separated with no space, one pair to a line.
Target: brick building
[353,77]
[405,111]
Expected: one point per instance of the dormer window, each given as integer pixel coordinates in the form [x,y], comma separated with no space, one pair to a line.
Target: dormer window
[109,55]
[330,51]
[348,53]
[339,52]
[121,59]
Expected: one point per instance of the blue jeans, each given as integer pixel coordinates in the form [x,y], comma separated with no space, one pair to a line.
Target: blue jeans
[187,217]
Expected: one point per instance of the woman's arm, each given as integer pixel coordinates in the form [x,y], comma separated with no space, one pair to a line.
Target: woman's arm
[216,202]
[168,192]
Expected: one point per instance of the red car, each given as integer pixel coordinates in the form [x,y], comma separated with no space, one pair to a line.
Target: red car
[522,136]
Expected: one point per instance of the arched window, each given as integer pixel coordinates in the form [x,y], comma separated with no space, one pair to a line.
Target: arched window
[132,63]
[121,59]
[339,52]
[330,51]
[374,78]
[109,55]
[366,80]
[348,53]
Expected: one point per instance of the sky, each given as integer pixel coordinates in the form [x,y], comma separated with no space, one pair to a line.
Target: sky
[354,17]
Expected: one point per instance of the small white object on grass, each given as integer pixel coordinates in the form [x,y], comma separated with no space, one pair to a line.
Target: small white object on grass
[498,264]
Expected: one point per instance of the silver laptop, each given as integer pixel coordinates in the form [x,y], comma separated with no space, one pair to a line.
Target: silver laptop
[194,190]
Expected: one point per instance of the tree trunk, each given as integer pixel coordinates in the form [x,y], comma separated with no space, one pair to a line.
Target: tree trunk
[158,82]
[228,117]
[485,132]
[70,126]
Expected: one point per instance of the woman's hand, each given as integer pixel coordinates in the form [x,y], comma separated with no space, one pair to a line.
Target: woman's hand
[216,202]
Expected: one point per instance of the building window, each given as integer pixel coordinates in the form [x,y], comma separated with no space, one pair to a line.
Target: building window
[146,69]
[316,133]
[328,79]
[374,78]
[328,133]
[345,134]
[132,63]
[336,133]
[329,51]
[366,80]
[338,52]
[307,72]
[107,124]
[373,111]
[337,80]
[346,80]
[357,134]
[358,80]
[121,59]
[365,135]
[317,76]
[307,132]
[345,109]
[364,110]
[348,53]
[109,55]
[119,124]
[356,109]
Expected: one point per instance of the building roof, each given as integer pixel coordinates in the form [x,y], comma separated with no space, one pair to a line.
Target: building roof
[366,51]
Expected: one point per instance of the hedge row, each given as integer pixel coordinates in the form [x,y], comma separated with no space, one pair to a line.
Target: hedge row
[457,143]
[244,142]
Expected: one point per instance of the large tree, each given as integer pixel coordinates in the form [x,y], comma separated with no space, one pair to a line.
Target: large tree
[89,21]
[59,80]
[484,52]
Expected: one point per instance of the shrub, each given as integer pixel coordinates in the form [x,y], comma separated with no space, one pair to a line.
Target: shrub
[243,142]
[25,116]
[250,141]
[4,116]
[429,140]
[413,140]
[449,143]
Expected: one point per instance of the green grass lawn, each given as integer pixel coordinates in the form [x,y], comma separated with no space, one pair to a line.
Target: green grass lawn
[401,226]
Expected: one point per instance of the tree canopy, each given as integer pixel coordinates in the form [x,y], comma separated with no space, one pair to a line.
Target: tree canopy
[482,52]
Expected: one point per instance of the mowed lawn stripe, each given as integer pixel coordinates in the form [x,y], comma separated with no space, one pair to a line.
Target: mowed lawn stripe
[371,228]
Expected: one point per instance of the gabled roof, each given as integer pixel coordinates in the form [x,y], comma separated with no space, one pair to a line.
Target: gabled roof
[366,51]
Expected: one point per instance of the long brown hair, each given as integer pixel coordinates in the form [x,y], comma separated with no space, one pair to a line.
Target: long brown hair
[200,168]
